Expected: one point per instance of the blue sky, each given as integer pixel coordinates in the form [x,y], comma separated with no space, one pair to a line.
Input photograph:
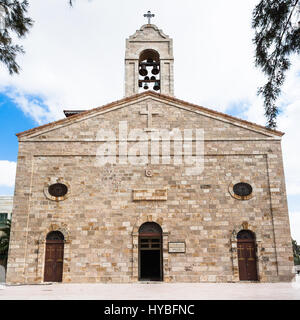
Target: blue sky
[73,62]
[13,120]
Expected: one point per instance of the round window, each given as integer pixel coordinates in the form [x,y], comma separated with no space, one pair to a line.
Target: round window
[58,190]
[242,189]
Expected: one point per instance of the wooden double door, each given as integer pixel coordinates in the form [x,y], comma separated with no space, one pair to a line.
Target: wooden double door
[54,258]
[247,260]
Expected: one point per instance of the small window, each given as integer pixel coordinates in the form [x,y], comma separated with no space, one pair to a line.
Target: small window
[58,190]
[242,189]
[3,217]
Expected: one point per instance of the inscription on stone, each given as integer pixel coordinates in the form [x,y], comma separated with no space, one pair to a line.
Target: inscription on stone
[176,247]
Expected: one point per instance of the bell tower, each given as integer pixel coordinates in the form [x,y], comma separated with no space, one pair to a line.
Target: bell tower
[149,61]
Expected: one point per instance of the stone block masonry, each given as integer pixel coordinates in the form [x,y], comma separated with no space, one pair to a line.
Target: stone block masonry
[106,205]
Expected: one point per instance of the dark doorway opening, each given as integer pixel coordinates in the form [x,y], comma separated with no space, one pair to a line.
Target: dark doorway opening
[150,252]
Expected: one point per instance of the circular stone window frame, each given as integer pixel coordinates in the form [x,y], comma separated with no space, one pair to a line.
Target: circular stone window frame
[53,198]
[235,196]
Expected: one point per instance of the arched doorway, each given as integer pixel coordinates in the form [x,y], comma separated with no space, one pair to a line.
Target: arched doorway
[150,252]
[54,257]
[246,248]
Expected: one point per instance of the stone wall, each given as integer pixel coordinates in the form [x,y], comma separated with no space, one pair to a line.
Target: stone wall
[100,217]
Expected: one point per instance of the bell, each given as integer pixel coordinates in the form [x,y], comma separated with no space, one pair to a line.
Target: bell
[155,70]
[153,78]
[143,71]
[146,78]
[146,86]
[156,86]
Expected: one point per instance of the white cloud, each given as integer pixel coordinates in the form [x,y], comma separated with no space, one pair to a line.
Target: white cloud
[7,173]
[75,57]
[32,107]
[288,122]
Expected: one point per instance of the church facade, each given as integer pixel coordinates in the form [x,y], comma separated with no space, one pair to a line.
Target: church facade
[149,188]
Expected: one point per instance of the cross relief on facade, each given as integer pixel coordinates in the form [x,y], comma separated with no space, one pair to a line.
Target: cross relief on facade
[149,113]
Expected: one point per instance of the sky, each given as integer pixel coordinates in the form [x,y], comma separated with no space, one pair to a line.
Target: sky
[75,60]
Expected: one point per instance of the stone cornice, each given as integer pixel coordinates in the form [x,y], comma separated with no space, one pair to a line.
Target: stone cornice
[136,35]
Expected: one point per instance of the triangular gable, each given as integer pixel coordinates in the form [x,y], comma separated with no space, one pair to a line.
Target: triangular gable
[156,96]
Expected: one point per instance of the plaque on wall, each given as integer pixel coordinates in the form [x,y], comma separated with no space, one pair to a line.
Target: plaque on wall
[176,247]
[149,194]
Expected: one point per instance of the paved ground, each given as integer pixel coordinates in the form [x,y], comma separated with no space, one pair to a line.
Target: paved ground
[159,291]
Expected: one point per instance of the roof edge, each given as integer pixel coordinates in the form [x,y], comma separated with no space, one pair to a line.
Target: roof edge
[154,94]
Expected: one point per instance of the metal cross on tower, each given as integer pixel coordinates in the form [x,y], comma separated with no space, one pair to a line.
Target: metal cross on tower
[149,15]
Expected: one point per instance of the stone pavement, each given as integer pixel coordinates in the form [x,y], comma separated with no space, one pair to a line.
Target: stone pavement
[158,291]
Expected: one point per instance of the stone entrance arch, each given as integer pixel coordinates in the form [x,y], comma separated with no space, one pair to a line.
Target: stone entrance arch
[135,246]
[41,251]
[246,252]
[234,251]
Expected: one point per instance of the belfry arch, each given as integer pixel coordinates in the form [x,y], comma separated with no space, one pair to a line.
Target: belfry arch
[149,70]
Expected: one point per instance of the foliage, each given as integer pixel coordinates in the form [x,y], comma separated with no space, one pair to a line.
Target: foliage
[4,240]
[277,36]
[13,21]
[296,252]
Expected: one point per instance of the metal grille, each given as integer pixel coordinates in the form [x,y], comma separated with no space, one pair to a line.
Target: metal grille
[58,189]
[242,189]
[150,243]
[150,227]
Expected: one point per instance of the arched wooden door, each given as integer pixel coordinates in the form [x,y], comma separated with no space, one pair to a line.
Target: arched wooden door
[54,257]
[150,252]
[246,248]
